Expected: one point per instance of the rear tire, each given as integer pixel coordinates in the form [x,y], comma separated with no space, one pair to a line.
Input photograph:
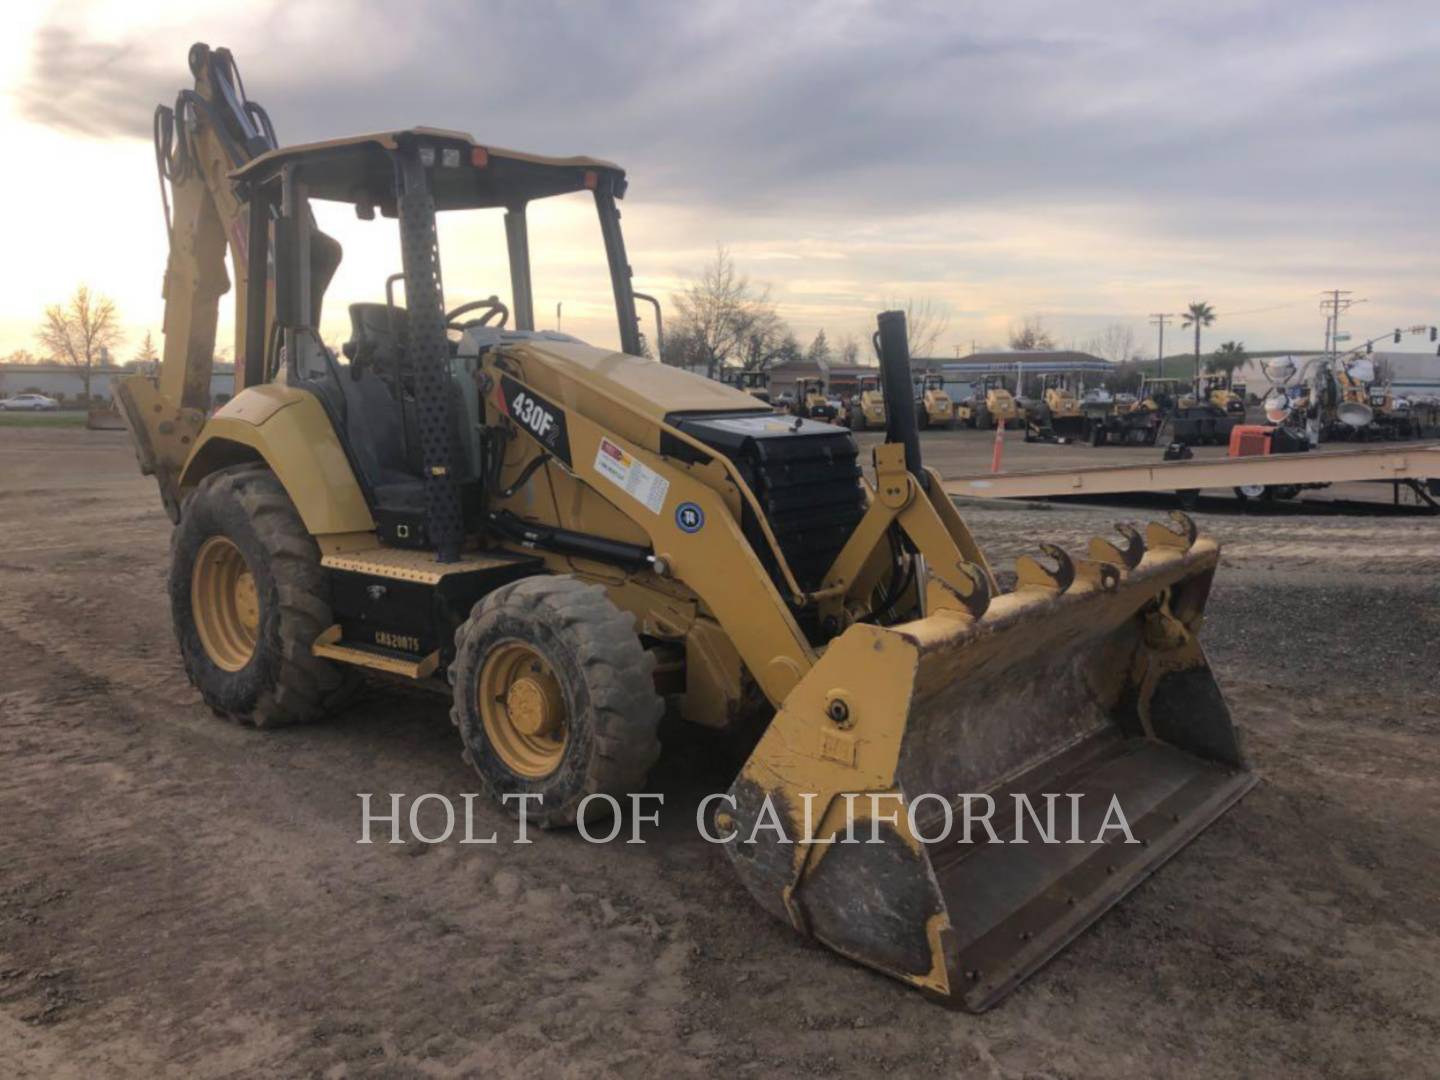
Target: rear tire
[243,513]
[555,640]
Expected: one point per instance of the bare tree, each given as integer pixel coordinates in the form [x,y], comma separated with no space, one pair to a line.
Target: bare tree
[1115,343]
[848,354]
[1030,335]
[819,353]
[764,338]
[721,314]
[924,323]
[147,353]
[684,349]
[1125,377]
[21,356]
[79,332]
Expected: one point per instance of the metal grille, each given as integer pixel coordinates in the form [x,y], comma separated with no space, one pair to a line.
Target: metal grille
[429,350]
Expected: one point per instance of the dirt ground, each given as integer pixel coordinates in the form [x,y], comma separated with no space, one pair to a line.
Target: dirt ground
[183,897]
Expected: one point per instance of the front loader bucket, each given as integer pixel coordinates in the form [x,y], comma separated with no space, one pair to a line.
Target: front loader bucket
[1086,683]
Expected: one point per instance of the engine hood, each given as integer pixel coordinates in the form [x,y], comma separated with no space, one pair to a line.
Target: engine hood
[629,394]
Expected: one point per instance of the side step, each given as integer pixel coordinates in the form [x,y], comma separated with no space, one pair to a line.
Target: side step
[396,609]
[331,647]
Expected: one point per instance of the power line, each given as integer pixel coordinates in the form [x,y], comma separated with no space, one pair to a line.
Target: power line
[1262,310]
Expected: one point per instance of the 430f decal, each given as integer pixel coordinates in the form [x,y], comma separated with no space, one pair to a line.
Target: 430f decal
[542,419]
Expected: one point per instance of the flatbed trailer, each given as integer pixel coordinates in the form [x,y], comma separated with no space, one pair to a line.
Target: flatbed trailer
[1414,465]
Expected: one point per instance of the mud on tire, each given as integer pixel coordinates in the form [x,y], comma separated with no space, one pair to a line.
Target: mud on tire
[283,683]
[605,677]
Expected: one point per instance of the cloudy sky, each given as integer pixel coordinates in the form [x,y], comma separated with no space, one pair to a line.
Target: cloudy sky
[1090,163]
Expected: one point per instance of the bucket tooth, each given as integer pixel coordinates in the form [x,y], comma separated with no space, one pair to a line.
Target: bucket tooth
[978,602]
[1128,556]
[1104,576]
[1030,573]
[1158,534]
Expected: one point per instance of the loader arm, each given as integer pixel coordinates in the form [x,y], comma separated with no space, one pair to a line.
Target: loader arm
[211,131]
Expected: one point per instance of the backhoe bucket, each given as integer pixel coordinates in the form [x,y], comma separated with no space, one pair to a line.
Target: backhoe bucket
[1083,691]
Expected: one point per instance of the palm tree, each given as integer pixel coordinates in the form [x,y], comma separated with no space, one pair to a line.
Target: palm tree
[1228,357]
[1198,314]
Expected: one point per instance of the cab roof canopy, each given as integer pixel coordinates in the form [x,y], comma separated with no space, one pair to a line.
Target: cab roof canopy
[466,175]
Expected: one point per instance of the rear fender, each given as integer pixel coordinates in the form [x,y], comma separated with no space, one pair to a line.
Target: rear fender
[288,430]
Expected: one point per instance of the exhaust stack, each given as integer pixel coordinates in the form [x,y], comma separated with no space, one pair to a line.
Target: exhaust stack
[892,344]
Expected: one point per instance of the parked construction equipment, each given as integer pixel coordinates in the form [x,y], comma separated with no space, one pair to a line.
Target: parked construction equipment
[933,407]
[1223,392]
[561,537]
[1108,421]
[1192,419]
[867,406]
[1060,413]
[812,403]
[754,383]
[997,405]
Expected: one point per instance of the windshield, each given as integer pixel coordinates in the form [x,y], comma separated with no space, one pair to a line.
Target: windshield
[570,282]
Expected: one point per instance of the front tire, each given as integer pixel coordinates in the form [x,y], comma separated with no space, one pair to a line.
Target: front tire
[554,695]
[248,598]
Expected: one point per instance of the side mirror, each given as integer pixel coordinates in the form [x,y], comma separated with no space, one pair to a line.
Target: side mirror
[288,272]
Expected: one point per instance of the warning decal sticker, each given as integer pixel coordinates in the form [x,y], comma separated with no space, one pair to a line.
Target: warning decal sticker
[625,471]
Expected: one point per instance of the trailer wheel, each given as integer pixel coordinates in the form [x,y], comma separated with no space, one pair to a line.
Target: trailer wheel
[554,696]
[248,598]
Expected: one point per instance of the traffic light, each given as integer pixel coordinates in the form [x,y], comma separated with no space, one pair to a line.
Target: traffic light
[1432,333]
[1397,337]
[1369,348]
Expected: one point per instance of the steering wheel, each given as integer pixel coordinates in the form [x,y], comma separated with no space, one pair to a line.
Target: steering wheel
[493,307]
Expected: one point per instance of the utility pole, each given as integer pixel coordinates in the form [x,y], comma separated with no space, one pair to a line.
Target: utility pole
[1158,318]
[558,306]
[1335,303]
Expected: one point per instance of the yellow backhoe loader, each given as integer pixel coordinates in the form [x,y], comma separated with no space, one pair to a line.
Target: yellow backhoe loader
[1000,408]
[867,407]
[933,407]
[812,403]
[1060,413]
[559,537]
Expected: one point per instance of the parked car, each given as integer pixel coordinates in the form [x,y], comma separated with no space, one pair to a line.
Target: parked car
[29,402]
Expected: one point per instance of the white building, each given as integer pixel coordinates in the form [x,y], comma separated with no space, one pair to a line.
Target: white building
[67,383]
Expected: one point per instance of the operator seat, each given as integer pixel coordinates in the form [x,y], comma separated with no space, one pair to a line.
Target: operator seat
[378,334]
[379,399]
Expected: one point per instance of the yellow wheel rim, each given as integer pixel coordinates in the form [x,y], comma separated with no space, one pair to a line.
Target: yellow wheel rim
[225,604]
[523,710]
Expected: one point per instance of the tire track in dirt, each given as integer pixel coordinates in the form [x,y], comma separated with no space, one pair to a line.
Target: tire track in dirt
[180,896]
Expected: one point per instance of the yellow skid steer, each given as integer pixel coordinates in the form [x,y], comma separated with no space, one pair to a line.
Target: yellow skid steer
[564,538]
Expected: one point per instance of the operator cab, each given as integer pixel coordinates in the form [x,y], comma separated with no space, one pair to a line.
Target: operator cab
[406,406]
